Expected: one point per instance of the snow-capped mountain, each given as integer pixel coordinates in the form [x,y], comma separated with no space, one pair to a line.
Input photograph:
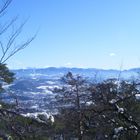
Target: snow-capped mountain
[32,87]
[88,72]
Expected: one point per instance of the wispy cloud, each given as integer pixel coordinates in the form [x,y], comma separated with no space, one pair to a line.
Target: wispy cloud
[112,54]
[69,64]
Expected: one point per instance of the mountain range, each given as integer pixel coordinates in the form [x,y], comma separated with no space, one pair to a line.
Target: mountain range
[100,74]
[32,88]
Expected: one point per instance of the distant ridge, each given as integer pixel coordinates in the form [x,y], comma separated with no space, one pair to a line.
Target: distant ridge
[88,72]
[76,68]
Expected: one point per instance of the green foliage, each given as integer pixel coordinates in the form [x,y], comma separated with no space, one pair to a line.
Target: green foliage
[98,110]
[6,76]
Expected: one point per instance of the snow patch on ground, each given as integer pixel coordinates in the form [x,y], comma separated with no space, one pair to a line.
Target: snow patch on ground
[40,116]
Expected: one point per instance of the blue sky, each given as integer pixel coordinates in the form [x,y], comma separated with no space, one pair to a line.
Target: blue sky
[79,33]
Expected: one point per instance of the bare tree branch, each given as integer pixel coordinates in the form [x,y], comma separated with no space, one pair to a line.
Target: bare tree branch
[6,3]
[17,49]
[7,25]
[10,48]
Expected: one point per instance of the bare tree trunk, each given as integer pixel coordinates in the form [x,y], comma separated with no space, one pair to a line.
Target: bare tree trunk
[79,114]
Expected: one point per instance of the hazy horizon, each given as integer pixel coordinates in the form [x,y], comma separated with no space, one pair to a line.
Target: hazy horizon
[72,68]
